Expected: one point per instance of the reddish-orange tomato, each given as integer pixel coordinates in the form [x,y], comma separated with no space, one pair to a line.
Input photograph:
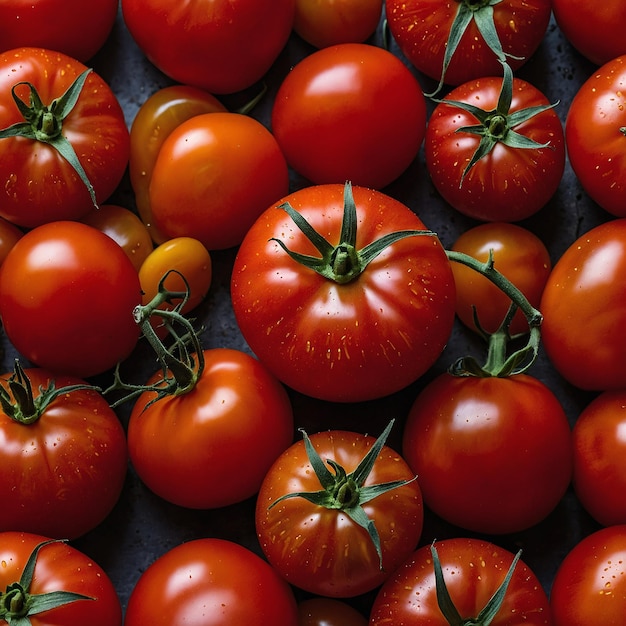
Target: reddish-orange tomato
[518,254]
[322,611]
[156,118]
[9,236]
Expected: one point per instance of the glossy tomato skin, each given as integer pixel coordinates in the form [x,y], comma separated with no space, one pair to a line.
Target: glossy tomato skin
[157,117]
[473,569]
[76,317]
[493,455]
[583,309]
[214,175]
[210,581]
[70,464]
[73,28]
[595,137]
[599,449]
[320,549]
[589,586]
[207,44]
[41,186]
[319,611]
[508,184]
[212,446]
[595,32]
[343,342]
[518,254]
[60,567]
[326,102]
[421,29]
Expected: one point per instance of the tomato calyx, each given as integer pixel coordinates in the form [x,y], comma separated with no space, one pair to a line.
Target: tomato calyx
[17,604]
[347,492]
[44,123]
[499,363]
[344,262]
[19,402]
[487,613]
[498,125]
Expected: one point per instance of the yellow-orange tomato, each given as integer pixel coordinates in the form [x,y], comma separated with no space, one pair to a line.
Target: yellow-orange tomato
[185,255]
[124,227]
[157,117]
[9,235]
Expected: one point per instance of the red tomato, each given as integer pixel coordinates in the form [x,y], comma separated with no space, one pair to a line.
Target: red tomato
[222,46]
[330,97]
[328,612]
[325,23]
[76,316]
[40,184]
[422,30]
[68,26]
[509,183]
[211,446]
[319,547]
[518,254]
[214,175]
[67,453]
[473,570]
[583,309]
[58,568]
[589,586]
[493,455]
[594,132]
[595,30]
[125,228]
[599,451]
[156,118]
[9,236]
[210,581]
[336,340]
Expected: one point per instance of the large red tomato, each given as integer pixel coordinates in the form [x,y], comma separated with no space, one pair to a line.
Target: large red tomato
[367,325]
[583,309]
[73,27]
[35,570]
[350,112]
[222,46]
[210,581]
[65,450]
[595,135]
[76,314]
[40,183]
[473,570]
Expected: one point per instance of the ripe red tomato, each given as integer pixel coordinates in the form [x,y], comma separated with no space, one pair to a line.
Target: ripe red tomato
[9,236]
[583,309]
[330,97]
[473,570]
[58,568]
[211,446]
[210,581]
[594,132]
[513,180]
[422,30]
[493,455]
[222,46]
[324,23]
[589,586]
[156,118]
[328,612]
[76,316]
[214,175]
[318,546]
[70,26]
[66,451]
[337,340]
[519,254]
[40,184]
[599,450]
[125,228]
[596,31]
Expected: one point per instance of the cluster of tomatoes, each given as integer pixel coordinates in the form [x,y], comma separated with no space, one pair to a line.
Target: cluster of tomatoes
[227,301]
